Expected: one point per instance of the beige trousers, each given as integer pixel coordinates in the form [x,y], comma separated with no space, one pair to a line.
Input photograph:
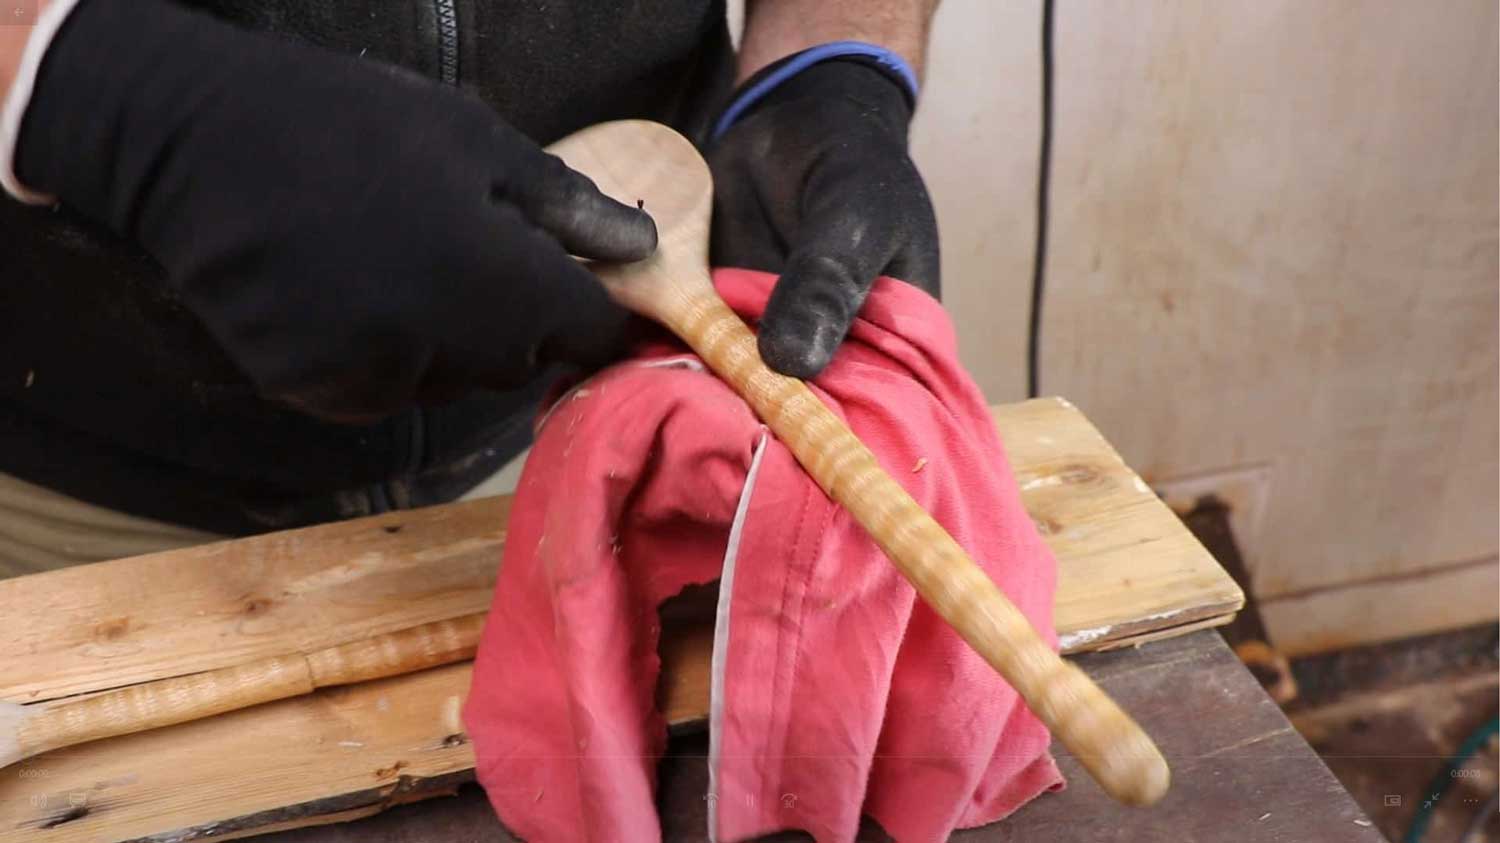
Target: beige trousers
[41,530]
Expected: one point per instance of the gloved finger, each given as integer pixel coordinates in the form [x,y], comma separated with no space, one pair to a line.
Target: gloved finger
[840,250]
[569,206]
[568,315]
[917,261]
[917,264]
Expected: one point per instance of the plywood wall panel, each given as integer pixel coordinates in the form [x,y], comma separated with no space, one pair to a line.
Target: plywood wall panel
[975,140]
[1274,242]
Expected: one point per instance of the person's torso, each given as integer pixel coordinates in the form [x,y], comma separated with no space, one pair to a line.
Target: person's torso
[112,392]
[548,66]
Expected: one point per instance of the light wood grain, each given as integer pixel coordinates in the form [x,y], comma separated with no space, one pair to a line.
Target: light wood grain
[1137,574]
[170,614]
[1124,563]
[179,699]
[342,748]
[1130,564]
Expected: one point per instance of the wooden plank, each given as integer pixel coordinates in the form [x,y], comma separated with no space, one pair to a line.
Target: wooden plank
[273,765]
[1242,775]
[1125,562]
[1162,634]
[1128,569]
[1274,245]
[168,614]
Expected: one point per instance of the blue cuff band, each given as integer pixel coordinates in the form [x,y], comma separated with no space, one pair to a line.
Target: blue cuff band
[805,59]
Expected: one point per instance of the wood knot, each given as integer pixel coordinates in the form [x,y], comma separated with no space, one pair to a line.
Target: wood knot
[1046,526]
[1078,474]
[256,606]
[77,812]
[113,637]
[387,772]
[112,630]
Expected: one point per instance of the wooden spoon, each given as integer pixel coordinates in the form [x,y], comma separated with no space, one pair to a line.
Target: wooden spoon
[639,160]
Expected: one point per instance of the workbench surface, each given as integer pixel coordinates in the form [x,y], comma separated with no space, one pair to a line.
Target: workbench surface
[1240,773]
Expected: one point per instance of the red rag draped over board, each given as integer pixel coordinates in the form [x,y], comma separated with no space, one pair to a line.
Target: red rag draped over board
[835,692]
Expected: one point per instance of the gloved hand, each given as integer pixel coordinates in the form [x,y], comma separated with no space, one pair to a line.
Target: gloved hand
[813,181]
[357,237]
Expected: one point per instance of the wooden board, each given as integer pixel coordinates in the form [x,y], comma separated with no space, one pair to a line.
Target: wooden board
[1128,570]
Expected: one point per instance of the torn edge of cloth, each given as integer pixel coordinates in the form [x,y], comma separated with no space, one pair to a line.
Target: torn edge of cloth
[720,658]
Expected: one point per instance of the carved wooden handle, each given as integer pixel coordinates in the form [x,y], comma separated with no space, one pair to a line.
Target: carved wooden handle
[403,651]
[1115,751]
[166,702]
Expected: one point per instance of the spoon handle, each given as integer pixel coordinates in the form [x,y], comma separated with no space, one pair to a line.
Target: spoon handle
[1115,751]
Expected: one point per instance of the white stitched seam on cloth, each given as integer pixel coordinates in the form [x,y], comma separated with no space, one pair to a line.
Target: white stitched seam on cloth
[19,97]
[682,361]
[721,637]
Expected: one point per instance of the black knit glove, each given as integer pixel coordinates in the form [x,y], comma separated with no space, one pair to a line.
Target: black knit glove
[814,182]
[357,237]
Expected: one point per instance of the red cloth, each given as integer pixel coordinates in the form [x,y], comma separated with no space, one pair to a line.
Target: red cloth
[835,691]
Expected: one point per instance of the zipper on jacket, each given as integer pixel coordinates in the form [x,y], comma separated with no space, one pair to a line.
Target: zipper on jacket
[447,38]
[395,492]
[398,494]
